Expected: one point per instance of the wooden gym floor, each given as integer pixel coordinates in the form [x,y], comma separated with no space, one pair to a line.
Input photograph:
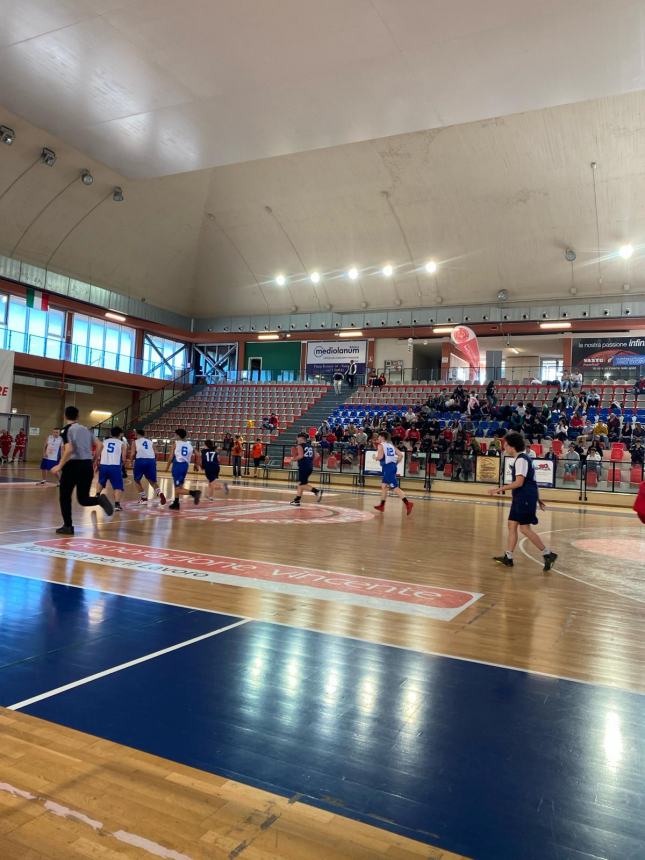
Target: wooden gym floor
[218,682]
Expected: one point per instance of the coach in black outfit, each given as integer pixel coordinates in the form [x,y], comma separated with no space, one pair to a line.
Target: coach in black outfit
[76,469]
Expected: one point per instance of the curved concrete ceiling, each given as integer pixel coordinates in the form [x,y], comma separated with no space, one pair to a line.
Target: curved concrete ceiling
[139,89]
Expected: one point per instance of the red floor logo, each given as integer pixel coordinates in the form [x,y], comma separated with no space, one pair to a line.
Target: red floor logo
[274,512]
[411,598]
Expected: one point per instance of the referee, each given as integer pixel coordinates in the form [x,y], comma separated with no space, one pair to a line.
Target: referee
[76,469]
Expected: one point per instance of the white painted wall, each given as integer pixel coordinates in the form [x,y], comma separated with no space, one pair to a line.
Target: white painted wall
[392,349]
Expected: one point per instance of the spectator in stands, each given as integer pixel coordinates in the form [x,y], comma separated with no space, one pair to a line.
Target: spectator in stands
[577,423]
[626,433]
[236,452]
[639,386]
[491,394]
[545,414]
[576,379]
[520,408]
[361,438]
[352,429]
[561,429]
[613,427]
[324,428]
[331,440]
[458,454]
[468,425]
[638,432]
[381,379]
[371,379]
[350,375]
[600,431]
[413,436]
[559,402]
[472,406]
[495,445]
[571,460]
[338,382]
[398,433]
[516,421]
[410,416]
[594,460]
[565,381]
[266,424]
[593,398]
[616,408]
[227,443]
[338,431]
[637,453]
[273,421]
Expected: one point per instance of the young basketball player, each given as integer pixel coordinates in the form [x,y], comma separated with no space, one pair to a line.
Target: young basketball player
[389,458]
[111,456]
[523,513]
[305,459]
[51,453]
[181,455]
[210,465]
[257,451]
[144,465]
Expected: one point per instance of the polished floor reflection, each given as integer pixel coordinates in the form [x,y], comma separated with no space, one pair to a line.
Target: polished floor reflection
[485,761]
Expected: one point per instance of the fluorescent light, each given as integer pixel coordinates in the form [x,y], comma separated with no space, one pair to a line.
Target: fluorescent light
[315,277]
[268,337]
[101,412]
[352,274]
[387,271]
[281,280]
[626,251]
[443,329]
[113,315]
[514,349]
[555,325]
[431,267]
[350,333]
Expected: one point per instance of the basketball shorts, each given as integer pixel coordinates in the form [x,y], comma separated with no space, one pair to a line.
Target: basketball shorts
[145,467]
[112,475]
[46,464]
[212,473]
[179,472]
[389,475]
[524,509]
[304,472]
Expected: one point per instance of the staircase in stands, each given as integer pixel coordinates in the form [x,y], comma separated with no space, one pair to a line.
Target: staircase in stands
[314,416]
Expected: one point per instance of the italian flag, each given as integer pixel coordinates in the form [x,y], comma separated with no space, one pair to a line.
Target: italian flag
[37,300]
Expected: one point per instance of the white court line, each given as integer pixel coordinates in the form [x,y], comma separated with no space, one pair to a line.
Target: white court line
[537,672]
[26,702]
[570,575]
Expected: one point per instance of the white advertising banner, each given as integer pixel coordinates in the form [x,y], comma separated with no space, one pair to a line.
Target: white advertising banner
[544,474]
[328,356]
[6,379]
[373,466]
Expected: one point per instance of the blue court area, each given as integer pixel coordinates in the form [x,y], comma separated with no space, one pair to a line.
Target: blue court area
[483,761]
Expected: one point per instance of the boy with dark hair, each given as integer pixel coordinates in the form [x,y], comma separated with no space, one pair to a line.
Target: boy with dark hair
[111,456]
[389,458]
[144,465]
[180,457]
[305,459]
[211,467]
[525,502]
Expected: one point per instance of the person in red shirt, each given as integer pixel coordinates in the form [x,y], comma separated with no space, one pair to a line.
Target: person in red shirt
[398,433]
[413,435]
[577,421]
[6,440]
[21,444]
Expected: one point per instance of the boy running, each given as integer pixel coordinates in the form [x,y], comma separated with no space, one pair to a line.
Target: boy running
[525,502]
[210,465]
[180,457]
[111,455]
[389,458]
[144,460]
[305,459]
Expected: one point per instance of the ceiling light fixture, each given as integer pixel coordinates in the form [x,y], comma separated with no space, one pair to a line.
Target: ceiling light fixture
[7,135]
[113,315]
[86,177]
[315,277]
[117,194]
[351,333]
[626,251]
[555,325]
[514,349]
[280,280]
[446,329]
[387,271]
[48,156]
[352,274]
[268,337]
[431,267]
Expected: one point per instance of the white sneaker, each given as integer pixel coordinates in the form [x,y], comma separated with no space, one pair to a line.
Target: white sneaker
[142,501]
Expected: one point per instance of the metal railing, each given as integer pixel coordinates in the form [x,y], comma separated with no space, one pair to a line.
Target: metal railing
[515,375]
[148,404]
[427,467]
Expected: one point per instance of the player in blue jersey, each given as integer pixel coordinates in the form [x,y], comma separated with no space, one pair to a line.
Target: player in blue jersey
[211,467]
[389,457]
[179,459]
[144,465]
[111,457]
[526,499]
[305,459]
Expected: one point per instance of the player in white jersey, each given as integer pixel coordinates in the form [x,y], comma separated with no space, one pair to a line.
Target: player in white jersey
[390,457]
[51,453]
[181,455]
[111,457]
[144,465]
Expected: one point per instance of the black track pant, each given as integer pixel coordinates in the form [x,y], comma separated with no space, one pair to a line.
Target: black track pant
[79,474]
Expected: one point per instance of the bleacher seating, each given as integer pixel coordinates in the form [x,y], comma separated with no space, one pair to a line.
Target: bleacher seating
[221,408]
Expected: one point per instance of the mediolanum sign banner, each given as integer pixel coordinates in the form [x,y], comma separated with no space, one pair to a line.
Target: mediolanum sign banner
[328,356]
[608,351]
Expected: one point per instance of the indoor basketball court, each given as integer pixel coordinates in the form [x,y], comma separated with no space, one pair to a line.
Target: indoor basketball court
[322,430]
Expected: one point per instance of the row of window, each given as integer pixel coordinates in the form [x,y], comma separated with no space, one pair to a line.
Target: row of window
[95,342]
